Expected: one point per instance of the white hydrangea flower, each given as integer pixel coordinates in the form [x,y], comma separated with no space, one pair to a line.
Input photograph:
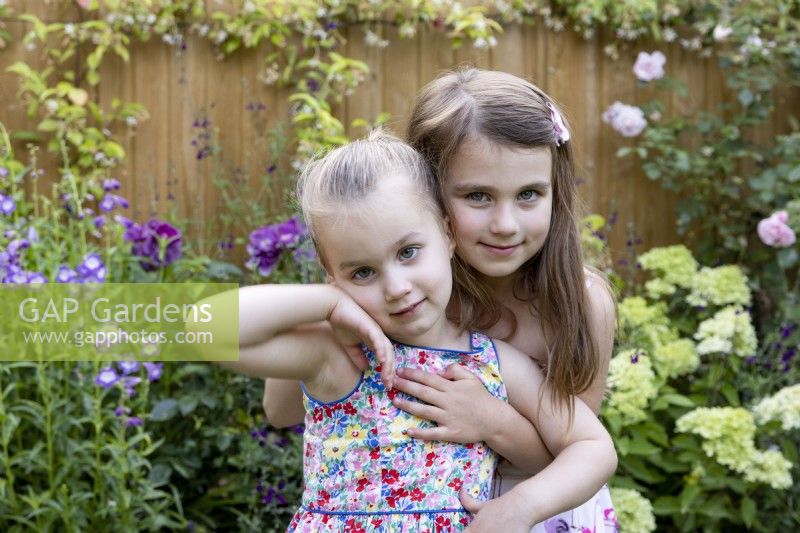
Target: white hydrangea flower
[784,406]
[634,511]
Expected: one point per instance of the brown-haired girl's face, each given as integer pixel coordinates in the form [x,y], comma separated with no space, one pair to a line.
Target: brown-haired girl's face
[499,199]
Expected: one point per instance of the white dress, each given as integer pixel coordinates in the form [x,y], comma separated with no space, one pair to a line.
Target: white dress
[595,516]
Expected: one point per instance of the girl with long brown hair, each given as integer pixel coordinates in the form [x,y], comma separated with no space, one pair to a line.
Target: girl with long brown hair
[502,154]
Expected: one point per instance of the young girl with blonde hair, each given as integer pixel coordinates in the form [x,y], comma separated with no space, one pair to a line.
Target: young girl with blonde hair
[502,156]
[384,242]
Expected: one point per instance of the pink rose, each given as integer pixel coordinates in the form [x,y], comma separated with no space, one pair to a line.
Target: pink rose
[626,119]
[774,230]
[649,67]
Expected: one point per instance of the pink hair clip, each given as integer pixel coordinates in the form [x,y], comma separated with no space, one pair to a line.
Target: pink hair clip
[559,128]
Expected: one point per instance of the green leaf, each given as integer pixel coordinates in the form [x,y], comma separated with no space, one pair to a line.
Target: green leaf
[638,469]
[187,404]
[666,505]
[748,510]
[688,495]
[164,410]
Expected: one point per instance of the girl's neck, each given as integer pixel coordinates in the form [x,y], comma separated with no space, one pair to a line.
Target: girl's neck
[502,288]
[445,335]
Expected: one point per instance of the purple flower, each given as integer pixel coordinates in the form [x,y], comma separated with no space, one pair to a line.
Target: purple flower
[7,205]
[291,232]
[121,410]
[111,201]
[3,172]
[123,221]
[66,275]
[92,269]
[106,378]
[626,119]
[107,203]
[154,370]
[133,421]
[99,221]
[649,67]
[16,245]
[157,243]
[556,525]
[268,243]
[129,383]
[128,367]
[110,184]
[36,277]
[775,231]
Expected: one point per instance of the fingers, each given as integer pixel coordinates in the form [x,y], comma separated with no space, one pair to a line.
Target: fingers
[421,392]
[470,504]
[421,410]
[456,371]
[356,354]
[438,433]
[427,379]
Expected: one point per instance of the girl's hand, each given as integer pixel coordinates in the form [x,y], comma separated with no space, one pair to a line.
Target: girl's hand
[500,514]
[458,403]
[352,326]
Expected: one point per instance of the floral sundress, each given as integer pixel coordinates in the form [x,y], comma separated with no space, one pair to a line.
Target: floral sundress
[363,473]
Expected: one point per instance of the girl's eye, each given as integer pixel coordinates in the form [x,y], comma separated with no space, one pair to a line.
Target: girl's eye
[528,195]
[409,252]
[362,274]
[477,196]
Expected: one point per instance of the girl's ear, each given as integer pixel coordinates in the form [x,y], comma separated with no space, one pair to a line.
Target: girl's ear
[448,231]
[329,279]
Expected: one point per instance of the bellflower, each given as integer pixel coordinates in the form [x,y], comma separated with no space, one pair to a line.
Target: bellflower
[107,377]
[92,269]
[154,370]
[7,205]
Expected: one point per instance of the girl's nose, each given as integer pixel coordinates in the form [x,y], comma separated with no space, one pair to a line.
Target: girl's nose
[503,221]
[396,286]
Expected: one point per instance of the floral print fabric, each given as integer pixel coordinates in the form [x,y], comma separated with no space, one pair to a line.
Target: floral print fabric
[363,473]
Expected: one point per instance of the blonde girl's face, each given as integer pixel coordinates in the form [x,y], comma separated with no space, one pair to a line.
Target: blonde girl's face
[392,254]
[500,203]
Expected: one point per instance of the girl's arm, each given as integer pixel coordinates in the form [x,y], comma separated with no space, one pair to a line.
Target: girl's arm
[470,414]
[603,324]
[283,402]
[584,454]
[282,331]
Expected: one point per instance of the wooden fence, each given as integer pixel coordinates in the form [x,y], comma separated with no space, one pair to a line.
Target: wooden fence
[162,171]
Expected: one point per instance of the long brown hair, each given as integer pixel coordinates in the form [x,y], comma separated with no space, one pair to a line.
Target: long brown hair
[469,103]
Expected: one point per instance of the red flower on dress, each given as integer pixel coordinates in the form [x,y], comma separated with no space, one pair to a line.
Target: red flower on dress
[456,484]
[390,477]
[362,484]
[430,458]
[423,357]
[417,495]
[349,409]
[351,526]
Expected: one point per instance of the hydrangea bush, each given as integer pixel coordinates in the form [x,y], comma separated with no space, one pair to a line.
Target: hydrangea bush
[692,435]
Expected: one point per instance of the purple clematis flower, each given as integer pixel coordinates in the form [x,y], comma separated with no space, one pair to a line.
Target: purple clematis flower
[110,184]
[157,243]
